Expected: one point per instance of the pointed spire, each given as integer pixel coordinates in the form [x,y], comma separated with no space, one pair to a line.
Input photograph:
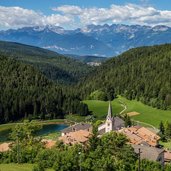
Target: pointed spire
[109,115]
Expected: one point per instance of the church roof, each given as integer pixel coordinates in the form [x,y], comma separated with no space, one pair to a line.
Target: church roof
[118,123]
[109,115]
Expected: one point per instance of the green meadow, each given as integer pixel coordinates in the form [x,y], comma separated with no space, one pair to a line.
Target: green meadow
[100,108]
[18,167]
[147,114]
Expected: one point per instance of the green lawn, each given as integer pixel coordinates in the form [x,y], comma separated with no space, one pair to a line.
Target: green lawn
[100,108]
[18,167]
[4,127]
[148,114]
[52,136]
[166,145]
[75,118]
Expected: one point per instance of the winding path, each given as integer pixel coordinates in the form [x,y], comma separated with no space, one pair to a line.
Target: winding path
[138,122]
[124,106]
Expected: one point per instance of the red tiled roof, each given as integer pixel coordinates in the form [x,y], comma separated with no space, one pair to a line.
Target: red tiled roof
[138,135]
[4,147]
[76,137]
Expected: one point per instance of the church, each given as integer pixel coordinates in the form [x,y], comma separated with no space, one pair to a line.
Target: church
[111,123]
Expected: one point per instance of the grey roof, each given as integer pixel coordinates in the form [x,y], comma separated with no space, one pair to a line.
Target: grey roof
[118,123]
[101,132]
[77,127]
[147,152]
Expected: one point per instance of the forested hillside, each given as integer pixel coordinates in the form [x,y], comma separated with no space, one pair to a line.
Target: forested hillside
[27,93]
[141,73]
[55,66]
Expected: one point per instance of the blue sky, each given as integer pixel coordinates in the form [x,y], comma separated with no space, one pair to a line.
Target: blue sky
[79,13]
[46,5]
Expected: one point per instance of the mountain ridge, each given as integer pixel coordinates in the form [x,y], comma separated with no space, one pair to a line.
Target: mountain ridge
[55,66]
[93,40]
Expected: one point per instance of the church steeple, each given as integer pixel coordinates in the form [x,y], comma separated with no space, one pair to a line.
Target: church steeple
[109,115]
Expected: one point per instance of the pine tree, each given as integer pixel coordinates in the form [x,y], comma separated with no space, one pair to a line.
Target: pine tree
[168,130]
[161,128]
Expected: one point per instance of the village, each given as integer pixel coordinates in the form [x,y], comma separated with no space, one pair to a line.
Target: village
[144,141]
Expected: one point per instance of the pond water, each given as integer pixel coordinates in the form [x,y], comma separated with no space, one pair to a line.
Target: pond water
[51,128]
[46,129]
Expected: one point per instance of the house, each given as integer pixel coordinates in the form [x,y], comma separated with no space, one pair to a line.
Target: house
[77,127]
[140,135]
[167,156]
[149,153]
[5,147]
[76,137]
[111,123]
[48,143]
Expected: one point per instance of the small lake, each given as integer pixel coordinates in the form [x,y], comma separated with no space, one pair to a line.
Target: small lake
[46,129]
[51,128]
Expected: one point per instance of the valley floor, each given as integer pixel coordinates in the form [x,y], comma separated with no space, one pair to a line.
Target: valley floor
[139,112]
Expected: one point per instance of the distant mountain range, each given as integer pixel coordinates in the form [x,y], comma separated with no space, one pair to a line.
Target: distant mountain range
[87,59]
[98,40]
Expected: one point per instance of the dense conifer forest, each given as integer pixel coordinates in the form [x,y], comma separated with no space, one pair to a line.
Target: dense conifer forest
[141,73]
[27,93]
[53,65]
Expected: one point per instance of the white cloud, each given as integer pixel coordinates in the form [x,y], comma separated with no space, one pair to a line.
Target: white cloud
[130,13]
[57,20]
[15,17]
[69,9]
[74,16]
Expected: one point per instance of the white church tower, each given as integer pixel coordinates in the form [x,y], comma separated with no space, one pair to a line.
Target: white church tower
[111,124]
[109,120]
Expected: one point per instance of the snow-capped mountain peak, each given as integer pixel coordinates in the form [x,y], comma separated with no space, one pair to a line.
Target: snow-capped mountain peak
[108,40]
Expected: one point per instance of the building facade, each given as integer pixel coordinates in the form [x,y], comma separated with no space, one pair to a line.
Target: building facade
[111,123]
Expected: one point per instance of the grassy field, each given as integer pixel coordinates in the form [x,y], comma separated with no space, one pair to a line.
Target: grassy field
[52,136]
[166,145]
[75,118]
[100,108]
[147,114]
[18,167]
